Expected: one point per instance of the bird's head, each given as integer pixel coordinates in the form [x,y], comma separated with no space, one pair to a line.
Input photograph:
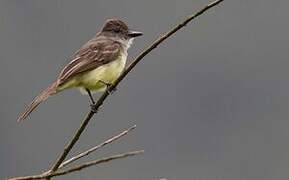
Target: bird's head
[117,28]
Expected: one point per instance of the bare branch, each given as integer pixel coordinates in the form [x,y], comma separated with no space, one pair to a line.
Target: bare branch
[85,153]
[80,167]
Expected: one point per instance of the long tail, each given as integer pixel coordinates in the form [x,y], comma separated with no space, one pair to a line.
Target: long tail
[37,100]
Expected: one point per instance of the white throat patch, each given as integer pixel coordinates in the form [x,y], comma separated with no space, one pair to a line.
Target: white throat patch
[129,42]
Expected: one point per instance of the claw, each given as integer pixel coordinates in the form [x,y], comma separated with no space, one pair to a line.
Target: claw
[108,85]
[112,90]
[93,108]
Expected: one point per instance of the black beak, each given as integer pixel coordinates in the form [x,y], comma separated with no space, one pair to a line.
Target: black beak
[133,34]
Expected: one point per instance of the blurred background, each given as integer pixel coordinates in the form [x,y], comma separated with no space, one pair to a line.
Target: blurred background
[211,103]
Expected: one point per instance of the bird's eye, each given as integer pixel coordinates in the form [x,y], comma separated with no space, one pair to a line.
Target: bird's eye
[116,30]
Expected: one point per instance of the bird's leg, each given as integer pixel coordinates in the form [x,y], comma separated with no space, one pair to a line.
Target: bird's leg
[107,86]
[90,96]
[92,100]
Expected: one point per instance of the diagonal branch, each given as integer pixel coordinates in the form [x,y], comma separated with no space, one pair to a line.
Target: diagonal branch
[95,148]
[102,98]
[80,167]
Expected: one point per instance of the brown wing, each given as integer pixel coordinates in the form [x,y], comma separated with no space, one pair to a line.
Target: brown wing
[93,54]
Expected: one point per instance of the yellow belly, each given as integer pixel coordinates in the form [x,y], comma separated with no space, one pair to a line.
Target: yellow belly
[92,79]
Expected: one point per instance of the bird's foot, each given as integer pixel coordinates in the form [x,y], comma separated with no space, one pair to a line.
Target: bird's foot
[93,108]
[108,87]
[111,91]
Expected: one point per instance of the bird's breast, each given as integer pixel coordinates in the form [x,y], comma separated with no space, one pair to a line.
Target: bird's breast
[107,73]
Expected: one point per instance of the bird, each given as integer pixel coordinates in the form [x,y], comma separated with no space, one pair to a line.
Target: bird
[95,66]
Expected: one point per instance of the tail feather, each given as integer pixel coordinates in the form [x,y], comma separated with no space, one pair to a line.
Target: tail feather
[37,100]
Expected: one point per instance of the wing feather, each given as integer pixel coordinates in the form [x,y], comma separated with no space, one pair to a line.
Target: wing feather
[93,54]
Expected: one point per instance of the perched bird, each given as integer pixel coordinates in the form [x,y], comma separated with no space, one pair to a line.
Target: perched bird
[97,64]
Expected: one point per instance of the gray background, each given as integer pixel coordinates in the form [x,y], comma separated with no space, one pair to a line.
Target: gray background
[210,104]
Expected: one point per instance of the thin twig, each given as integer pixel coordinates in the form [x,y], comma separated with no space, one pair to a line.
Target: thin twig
[103,97]
[85,153]
[80,167]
